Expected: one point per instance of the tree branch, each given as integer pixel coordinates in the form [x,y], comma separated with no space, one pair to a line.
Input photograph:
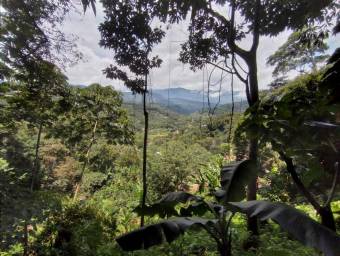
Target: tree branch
[256,34]
[230,40]
[248,90]
[298,182]
[145,148]
[244,80]
[335,182]
[219,67]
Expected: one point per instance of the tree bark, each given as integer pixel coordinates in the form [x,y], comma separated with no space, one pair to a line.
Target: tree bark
[250,57]
[36,168]
[224,250]
[252,222]
[145,147]
[327,217]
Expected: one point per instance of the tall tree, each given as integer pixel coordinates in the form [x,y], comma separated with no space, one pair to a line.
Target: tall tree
[95,113]
[301,126]
[31,46]
[37,98]
[127,31]
[303,50]
[213,36]
[29,33]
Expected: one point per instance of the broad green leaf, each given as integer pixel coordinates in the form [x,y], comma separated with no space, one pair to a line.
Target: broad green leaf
[166,205]
[234,179]
[156,234]
[296,223]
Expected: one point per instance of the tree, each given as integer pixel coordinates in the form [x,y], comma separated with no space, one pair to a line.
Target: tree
[127,31]
[95,113]
[31,45]
[39,96]
[303,50]
[213,36]
[278,82]
[174,165]
[29,33]
[300,123]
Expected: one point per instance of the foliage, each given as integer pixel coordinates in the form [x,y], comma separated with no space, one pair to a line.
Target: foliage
[298,121]
[37,99]
[234,178]
[303,50]
[91,105]
[77,229]
[308,231]
[127,31]
[106,157]
[284,114]
[94,181]
[175,165]
[275,184]
[119,197]
[296,223]
[30,34]
[17,147]
[88,129]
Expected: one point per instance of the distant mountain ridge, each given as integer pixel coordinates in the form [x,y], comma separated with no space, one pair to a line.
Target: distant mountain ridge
[181,100]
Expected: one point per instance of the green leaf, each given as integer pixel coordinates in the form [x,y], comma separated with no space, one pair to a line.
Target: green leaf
[166,206]
[296,223]
[156,234]
[234,179]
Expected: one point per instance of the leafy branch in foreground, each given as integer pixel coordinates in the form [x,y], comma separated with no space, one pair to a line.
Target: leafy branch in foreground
[296,223]
[169,230]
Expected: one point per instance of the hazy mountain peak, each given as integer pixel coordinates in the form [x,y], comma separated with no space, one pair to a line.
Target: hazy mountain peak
[182,100]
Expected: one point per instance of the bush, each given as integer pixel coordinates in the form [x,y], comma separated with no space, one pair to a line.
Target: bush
[94,181]
[79,229]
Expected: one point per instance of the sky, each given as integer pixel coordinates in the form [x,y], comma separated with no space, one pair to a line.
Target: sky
[172,73]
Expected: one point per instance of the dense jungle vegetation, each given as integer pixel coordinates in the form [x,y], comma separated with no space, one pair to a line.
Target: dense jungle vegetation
[84,173]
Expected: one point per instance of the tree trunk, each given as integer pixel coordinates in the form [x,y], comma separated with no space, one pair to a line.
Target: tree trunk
[325,212]
[224,249]
[25,240]
[327,217]
[252,222]
[232,113]
[252,188]
[145,147]
[36,168]
[253,82]
[93,136]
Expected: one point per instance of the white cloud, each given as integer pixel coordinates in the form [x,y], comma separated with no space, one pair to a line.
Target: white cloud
[85,27]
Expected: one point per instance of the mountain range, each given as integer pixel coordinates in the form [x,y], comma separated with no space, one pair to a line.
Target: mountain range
[184,101]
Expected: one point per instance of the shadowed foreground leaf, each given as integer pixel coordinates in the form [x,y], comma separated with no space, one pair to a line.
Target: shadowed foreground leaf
[156,234]
[166,205]
[296,223]
[234,179]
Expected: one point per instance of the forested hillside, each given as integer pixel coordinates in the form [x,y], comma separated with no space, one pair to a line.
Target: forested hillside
[85,172]
[185,101]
